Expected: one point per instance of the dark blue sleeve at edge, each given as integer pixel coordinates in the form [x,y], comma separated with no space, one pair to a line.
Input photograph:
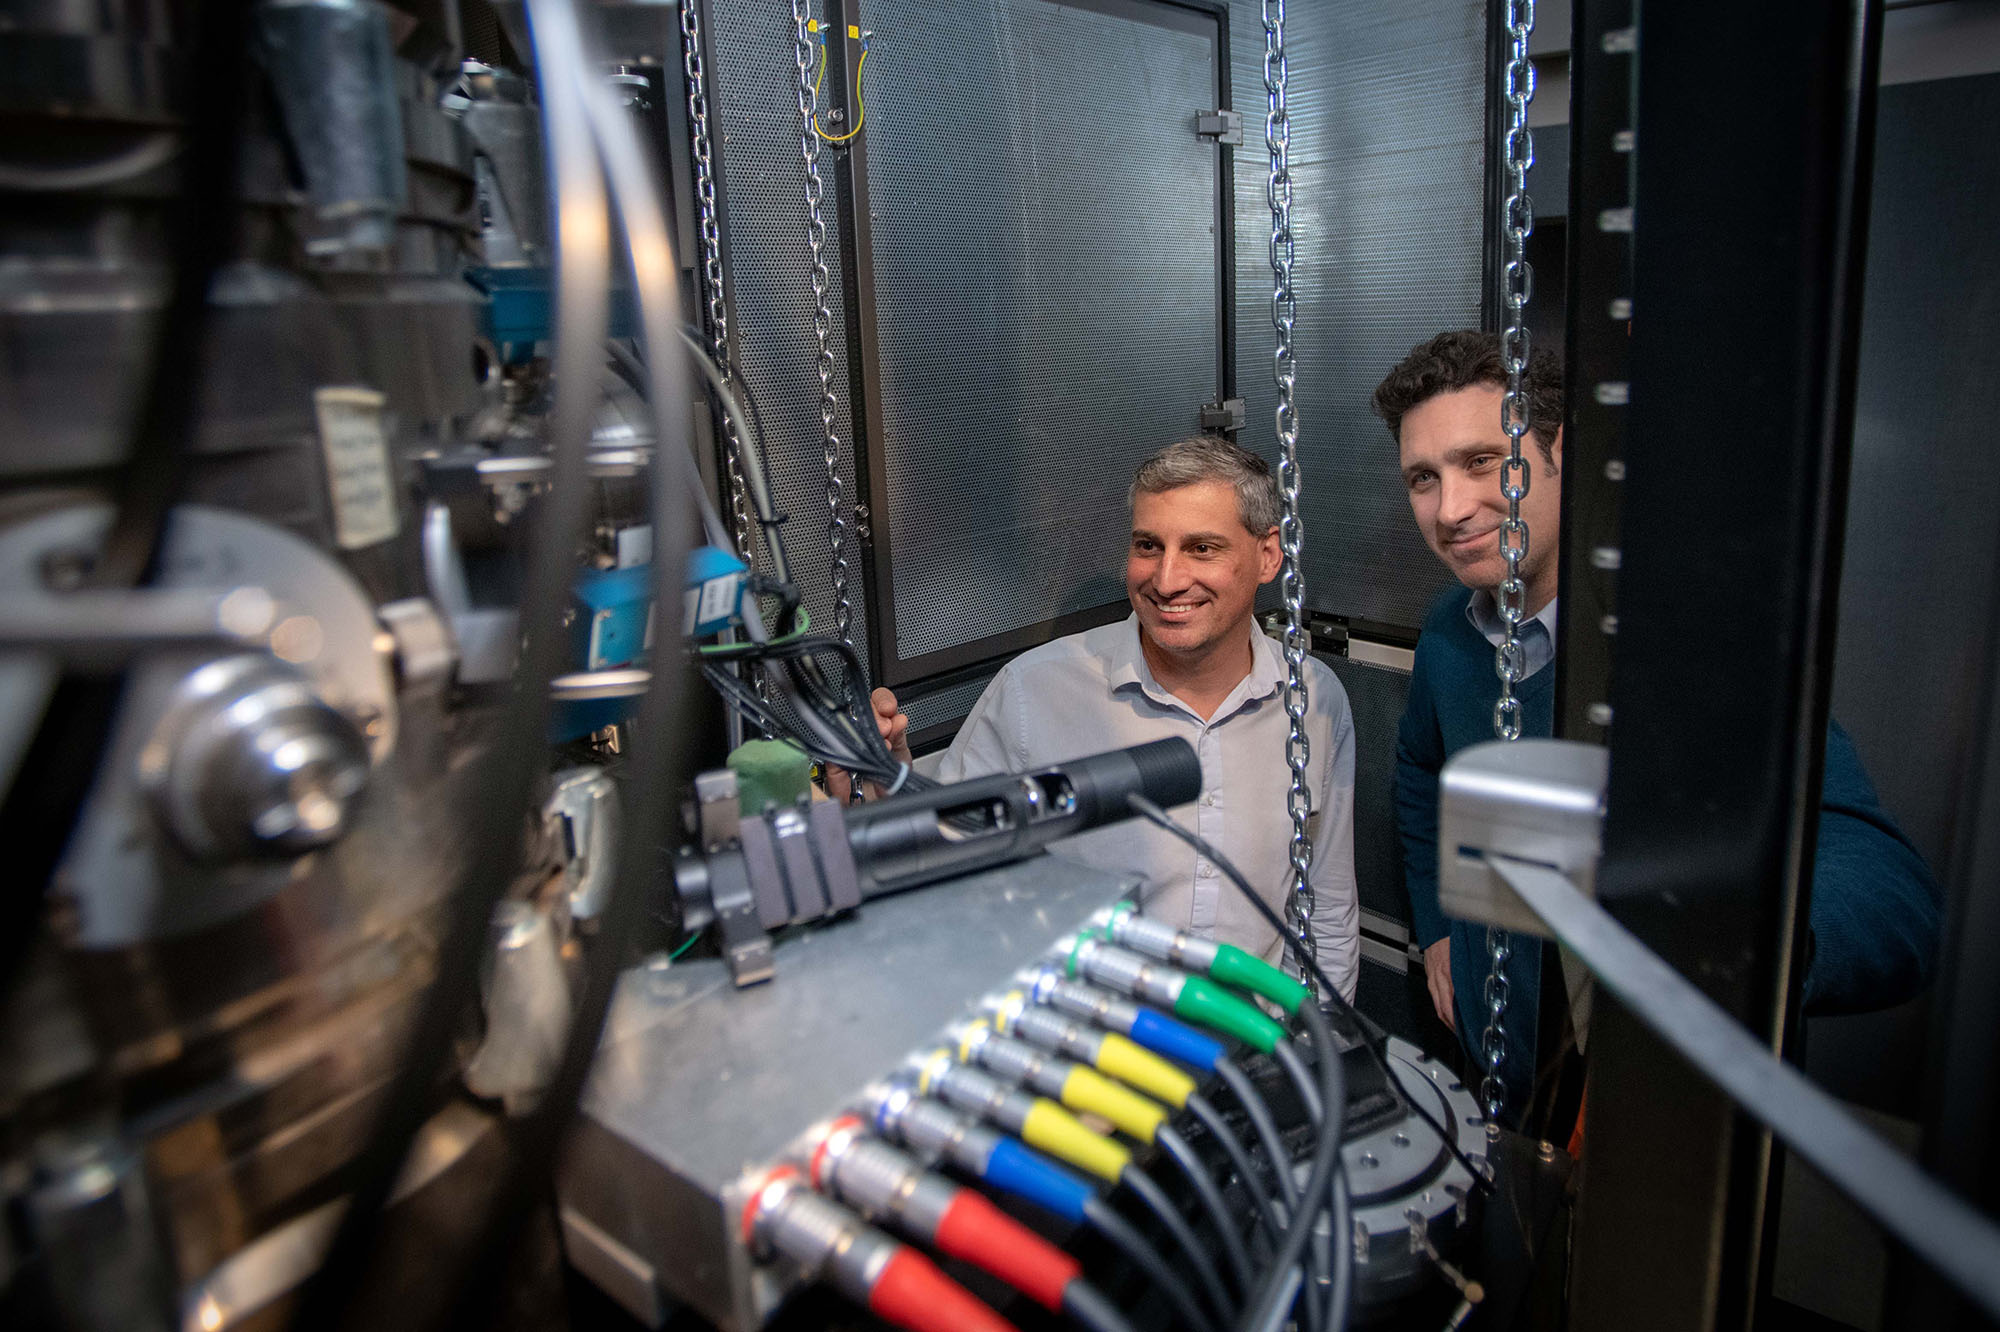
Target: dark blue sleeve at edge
[1876,906]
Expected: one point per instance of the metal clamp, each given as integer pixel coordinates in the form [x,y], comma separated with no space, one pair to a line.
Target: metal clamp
[1533,800]
[1223,126]
[1227,416]
[759,874]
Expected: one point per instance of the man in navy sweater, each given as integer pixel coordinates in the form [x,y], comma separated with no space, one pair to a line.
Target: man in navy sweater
[1873,924]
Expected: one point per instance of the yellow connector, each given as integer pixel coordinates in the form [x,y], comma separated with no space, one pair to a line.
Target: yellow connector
[1058,1132]
[1092,1093]
[1129,1062]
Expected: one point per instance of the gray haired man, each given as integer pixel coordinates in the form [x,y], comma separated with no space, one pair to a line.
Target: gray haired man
[1191,662]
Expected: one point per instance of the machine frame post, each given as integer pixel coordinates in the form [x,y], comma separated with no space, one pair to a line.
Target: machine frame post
[1742,352]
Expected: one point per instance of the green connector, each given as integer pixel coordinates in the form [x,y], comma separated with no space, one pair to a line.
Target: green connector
[1235,967]
[1204,1002]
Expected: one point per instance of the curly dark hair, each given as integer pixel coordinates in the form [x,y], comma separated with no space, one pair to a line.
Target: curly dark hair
[1460,359]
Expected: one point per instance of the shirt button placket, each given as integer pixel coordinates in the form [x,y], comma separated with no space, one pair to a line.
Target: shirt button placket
[1208,822]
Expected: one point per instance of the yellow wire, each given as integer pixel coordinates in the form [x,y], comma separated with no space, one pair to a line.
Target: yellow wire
[861,107]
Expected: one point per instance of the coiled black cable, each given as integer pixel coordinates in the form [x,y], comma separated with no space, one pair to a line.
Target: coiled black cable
[1210,1197]
[1154,1199]
[1136,1249]
[1211,1118]
[1087,1305]
[1259,1111]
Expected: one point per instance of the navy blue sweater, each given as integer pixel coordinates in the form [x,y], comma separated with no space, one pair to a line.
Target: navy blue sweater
[1873,925]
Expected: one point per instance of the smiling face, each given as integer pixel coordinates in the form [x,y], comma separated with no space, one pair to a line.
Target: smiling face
[1452,448]
[1193,568]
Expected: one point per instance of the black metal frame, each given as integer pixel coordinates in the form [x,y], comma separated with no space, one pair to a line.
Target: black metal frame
[864,366]
[1596,352]
[1742,370]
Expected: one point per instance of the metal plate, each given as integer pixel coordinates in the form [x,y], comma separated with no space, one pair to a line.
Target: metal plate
[1043,221]
[1375,698]
[1388,143]
[697,1081]
[762,192]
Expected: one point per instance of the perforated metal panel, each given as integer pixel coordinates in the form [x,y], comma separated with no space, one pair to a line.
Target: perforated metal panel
[947,705]
[1388,139]
[1046,276]
[763,197]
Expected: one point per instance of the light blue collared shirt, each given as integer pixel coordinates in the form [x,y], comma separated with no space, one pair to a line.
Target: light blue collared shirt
[1538,633]
[1093,691]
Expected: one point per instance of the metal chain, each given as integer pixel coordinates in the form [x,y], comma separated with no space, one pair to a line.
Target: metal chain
[1516,419]
[718,307]
[711,261]
[836,525]
[1284,314]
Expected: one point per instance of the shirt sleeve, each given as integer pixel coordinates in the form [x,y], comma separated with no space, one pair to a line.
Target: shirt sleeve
[1336,924]
[1419,759]
[983,745]
[1875,904]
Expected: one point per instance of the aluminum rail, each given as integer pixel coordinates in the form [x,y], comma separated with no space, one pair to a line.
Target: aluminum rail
[1958,1242]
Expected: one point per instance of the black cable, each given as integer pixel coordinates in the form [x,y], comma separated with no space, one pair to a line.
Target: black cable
[1295,1068]
[1211,1200]
[1273,1299]
[1339,1294]
[1259,1110]
[41,806]
[1154,814]
[205,230]
[1154,1199]
[629,367]
[1281,1285]
[1136,1249]
[653,776]
[1233,1147]
[821,705]
[519,757]
[1287,1056]
[821,727]
[1091,1309]
[814,742]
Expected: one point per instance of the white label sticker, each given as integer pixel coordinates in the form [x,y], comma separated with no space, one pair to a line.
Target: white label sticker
[719,597]
[359,481]
[635,546]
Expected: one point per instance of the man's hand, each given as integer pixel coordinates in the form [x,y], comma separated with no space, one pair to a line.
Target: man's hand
[891,722]
[1437,974]
[895,730]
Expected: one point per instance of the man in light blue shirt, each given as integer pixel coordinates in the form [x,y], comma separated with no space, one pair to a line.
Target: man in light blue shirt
[1190,662]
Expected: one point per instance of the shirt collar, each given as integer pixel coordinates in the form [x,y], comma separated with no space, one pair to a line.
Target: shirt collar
[1483,611]
[1125,664]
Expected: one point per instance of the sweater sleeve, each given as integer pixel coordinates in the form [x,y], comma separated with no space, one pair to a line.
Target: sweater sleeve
[1875,904]
[1419,759]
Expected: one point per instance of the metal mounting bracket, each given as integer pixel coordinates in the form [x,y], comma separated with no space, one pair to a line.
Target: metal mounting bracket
[1227,416]
[1222,126]
[1534,800]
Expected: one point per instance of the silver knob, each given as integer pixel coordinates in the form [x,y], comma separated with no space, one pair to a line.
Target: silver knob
[248,760]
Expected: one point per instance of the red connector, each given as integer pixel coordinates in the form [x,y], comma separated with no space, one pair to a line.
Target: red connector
[831,1243]
[980,1233]
[869,1174]
[913,1294]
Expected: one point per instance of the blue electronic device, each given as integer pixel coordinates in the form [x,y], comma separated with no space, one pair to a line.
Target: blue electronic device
[613,623]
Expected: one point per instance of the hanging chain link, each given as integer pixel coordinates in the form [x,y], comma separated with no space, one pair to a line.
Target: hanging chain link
[836,523]
[711,267]
[718,307]
[1516,419]
[1284,315]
